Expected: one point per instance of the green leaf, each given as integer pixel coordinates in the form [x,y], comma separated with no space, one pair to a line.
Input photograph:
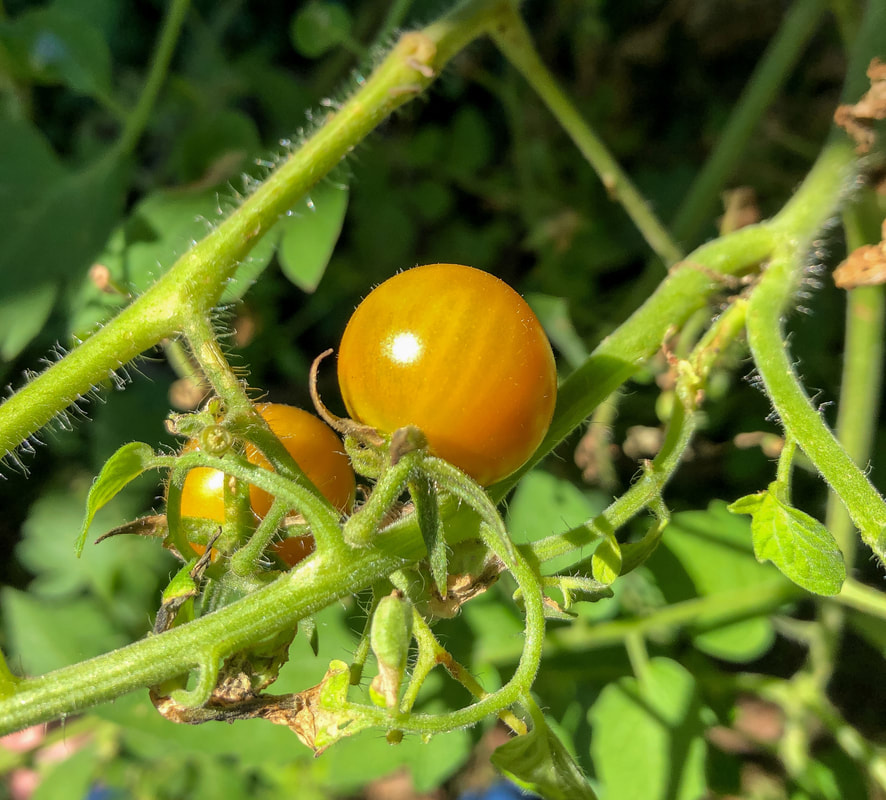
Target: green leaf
[56,225]
[309,236]
[22,317]
[606,561]
[553,313]
[124,574]
[714,547]
[749,504]
[44,635]
[544,505]
[71,777]
[122,468]
[215,147]
[539,762]
[320,26]
[55,46]
[648,737]
[162,227]
[799,545]
[29,167]
[470,142]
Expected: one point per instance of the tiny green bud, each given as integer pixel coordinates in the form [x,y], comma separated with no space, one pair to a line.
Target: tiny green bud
[390,636]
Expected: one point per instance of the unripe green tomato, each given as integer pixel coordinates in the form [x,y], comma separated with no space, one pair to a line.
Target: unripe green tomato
[458,353]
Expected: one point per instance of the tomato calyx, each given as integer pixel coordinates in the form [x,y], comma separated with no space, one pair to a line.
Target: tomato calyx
[365,446]
[215,440]
[344,425]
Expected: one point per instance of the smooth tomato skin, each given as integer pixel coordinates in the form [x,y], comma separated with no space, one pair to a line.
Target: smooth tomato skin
[315,448]
[203,493]
[458,353]
[294,549]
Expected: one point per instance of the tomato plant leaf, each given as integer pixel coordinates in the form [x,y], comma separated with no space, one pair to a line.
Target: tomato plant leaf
[55,46]
[606,561]
[123,467]
[553,313]
[749,504]
[57,222]
[655,722]
[539,762]
[798,544]
[320,26]
[43,634]
[309,235]
[714,548]
[22,317]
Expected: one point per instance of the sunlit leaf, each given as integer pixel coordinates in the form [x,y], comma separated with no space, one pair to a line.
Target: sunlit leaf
[122,468]
[538,762]
[799,545]
[309,235]
[648,736]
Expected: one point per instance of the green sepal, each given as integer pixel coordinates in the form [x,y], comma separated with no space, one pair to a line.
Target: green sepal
[427,513]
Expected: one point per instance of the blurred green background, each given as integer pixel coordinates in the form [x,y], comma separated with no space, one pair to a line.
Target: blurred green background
[476,172]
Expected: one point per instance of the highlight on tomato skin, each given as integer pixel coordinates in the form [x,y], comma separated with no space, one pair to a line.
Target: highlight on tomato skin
[458,353]
[314,446]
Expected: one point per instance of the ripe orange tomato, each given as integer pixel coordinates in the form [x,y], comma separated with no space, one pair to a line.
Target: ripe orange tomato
[458,353]
[313,445]
[294,549]
[316,449]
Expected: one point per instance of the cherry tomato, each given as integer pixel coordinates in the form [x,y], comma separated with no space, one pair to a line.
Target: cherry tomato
[458,353]
[315,448]
[294,549]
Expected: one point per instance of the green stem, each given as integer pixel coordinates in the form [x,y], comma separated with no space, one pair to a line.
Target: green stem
[681,427]
[305,590]
[140,115]
[784,469]
[194,284]
[768,304]
[638,655]
[782,53]
[860,384]
[626,349]
[514,40]
[862,598]
[708,613]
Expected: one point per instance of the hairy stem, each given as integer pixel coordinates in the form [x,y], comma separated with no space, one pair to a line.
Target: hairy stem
[769,302]
[860,384]
[194,284]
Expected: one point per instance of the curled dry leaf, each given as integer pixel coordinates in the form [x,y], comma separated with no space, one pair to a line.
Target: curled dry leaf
[462,587]
[858,119]
[865,266]
[740,209]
